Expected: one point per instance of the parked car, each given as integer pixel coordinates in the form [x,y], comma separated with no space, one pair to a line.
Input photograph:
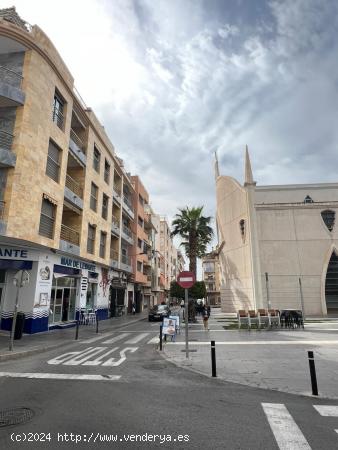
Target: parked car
[157,312]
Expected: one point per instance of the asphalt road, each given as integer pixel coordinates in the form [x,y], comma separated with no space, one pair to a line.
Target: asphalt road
[153,399]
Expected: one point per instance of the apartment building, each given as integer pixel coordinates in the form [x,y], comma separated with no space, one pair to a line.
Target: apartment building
[169,261]
[211,277]
[66,212]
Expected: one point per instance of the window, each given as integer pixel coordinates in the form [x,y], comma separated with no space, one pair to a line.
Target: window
[105,201]
[209,267]
[139,266]
[103,240]
[140,199]
[96,159]
[53,162]
[47,219]
[91,239]
[58,110]
[139,243]
[93,197]
[106,171]
[140,221]
[328,217]
[308,199]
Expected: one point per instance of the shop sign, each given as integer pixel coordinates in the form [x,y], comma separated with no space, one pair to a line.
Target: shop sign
[77,264]
[15,253]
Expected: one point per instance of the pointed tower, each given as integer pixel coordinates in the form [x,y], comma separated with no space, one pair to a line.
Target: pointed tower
[250,185]
[216,166]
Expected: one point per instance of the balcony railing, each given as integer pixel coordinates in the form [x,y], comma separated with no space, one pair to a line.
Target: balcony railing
[128,202]
[114,255]
[74,186]
[126,260]
[115,221]
[127,231]
[69,235]
[10,77]
[75,138]
[6,140]
[2,209]
[117,189]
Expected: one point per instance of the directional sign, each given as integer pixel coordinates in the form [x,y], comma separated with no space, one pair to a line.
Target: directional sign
[186,279]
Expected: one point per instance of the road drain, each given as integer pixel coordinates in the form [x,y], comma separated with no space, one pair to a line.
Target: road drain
[15,416]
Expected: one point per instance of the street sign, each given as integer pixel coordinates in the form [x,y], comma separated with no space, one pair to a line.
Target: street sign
[186,279]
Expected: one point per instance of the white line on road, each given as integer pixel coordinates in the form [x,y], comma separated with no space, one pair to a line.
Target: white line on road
[154,340]
[327,410]
[116,338]
[287,433]
[61,376]
[259,343]
[97,338]
[136,339]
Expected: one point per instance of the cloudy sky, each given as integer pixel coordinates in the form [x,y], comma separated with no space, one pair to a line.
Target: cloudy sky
[173,81]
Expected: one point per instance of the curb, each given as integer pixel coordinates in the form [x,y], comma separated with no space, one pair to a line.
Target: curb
[34,350]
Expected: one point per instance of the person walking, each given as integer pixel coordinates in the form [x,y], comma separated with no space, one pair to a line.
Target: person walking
[133,308]
[205,318]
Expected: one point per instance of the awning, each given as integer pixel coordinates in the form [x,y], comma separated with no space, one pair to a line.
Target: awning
[65,270]
[15,264]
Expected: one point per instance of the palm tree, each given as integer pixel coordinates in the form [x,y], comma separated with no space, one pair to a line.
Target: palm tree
[195,231]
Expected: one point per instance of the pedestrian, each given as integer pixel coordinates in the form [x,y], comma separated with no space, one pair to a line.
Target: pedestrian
[133,308]
[208,308]
[206,319]
[182,303]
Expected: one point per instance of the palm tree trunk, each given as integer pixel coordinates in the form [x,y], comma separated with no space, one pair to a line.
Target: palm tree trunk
[193,252]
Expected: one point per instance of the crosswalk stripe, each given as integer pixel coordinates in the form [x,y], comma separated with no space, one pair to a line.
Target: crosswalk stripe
[116,338]
[154,340]
[287,433]
[61,376]
[327,410]
[97,338]
[137,338]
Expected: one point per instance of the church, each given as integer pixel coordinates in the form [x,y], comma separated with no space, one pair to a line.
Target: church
[278,245]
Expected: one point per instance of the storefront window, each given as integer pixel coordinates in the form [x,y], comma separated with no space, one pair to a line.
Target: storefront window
[91,295]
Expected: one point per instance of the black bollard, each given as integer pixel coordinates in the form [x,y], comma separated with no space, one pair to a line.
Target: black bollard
[161,337]
[313,373]
[77,330]
[213,359]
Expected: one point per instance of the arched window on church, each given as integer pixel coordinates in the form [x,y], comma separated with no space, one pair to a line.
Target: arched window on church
[328,217]
[308,199]
[242,229]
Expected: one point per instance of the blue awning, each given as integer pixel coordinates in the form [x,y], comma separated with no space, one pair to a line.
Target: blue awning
[15,264]
[66,270]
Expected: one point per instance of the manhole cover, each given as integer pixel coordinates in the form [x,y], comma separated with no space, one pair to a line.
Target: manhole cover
[15,416]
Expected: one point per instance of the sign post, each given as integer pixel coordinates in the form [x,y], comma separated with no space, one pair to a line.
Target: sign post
[186,280]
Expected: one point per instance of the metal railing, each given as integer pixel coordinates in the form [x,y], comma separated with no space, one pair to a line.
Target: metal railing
[128,203]
[74,186]
[117,189]
[11,77]
[2,209]
[58,118]
[6,140]
[115,221]
[125,260]
[114,255]
[69,235]
[75,138]
[127,231]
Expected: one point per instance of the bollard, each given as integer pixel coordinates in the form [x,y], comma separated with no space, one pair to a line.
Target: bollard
[97,324]
[161,337]
[213,359]
[313,373]
[77,330]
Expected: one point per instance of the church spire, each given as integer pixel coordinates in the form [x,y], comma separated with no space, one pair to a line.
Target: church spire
[248,172]
[216,166]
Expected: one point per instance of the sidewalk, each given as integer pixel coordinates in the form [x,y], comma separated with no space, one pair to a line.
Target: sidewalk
[39,342]
[275,359]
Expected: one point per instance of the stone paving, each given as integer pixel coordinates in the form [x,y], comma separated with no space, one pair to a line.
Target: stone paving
[275,359]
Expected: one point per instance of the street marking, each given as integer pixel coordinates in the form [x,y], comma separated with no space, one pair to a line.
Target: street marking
[137,339]
[113,363]
[61,376]
[287,433]
[89,341]
[318,343]
[116,338]
[98,361]
[154,340]
[84,356]
[327,411]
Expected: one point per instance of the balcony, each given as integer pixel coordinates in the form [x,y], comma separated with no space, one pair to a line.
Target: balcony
[117,194]
[77,147]
[7,157]
[11,93]
[127,235]
[73,192]
[126,263]
[115,226]
[114,258]
[128,207]
[69,240]
[3,225]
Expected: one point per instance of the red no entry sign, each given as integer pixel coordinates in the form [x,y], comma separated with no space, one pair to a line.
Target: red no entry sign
[186,279]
